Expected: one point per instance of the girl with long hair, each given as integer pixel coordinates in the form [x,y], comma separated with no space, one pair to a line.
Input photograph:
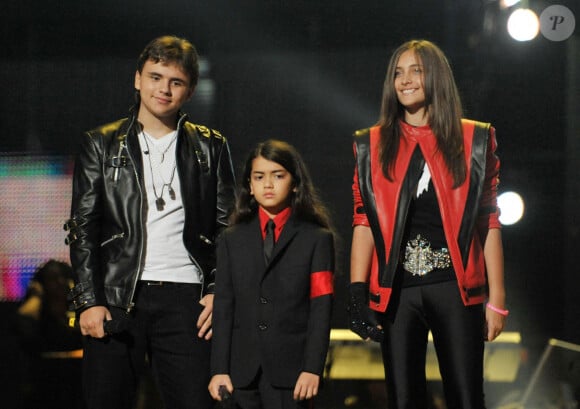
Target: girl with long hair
[426,250]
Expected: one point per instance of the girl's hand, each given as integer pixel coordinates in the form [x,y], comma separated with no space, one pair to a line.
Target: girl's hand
[363,320]
[494,324]
[306,386]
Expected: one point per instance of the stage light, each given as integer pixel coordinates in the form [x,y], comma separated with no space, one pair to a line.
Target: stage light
[511,207]
[523,25]
[506,4]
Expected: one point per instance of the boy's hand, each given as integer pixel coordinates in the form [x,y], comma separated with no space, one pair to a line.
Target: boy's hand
[306,386]
[204,320]
[218,382]
[92,319]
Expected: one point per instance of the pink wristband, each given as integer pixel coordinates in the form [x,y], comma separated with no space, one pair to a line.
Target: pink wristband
[498,310]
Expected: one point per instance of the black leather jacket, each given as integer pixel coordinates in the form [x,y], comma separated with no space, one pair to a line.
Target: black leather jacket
[107,226]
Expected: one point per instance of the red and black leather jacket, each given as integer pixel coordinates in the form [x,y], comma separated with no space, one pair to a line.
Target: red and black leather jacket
[467,211]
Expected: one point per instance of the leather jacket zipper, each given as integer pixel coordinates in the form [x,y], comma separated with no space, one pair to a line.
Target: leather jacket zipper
[140,256]
[122,146]
[202,277]
[112,238]
[205,239]
[201,236]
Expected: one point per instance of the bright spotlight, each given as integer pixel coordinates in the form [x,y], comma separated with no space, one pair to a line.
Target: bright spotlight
[506,4]
[523,25]
[511,207]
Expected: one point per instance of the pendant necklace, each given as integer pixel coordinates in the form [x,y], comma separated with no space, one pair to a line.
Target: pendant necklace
[160,152]
[159,201]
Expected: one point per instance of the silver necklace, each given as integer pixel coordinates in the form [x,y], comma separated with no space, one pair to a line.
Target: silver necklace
[160,152]
[159,201]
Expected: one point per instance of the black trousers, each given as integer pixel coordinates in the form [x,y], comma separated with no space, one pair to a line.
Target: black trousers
[260,394]
[162,330]
[458,337]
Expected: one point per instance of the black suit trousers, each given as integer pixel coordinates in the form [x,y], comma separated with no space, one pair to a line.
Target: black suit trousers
[260,394]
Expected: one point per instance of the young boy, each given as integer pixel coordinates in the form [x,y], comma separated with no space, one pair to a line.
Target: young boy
[274,286]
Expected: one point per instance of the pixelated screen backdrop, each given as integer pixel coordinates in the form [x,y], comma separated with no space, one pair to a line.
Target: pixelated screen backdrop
[35,203]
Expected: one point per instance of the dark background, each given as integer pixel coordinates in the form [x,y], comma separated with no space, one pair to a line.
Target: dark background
[311,72]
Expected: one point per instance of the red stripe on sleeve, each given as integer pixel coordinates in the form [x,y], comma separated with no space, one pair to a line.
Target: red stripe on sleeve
[321,283]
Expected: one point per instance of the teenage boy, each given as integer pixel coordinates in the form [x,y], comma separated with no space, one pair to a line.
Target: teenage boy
[151,193]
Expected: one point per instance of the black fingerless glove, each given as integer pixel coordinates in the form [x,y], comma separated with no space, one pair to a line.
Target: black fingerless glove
[362,320]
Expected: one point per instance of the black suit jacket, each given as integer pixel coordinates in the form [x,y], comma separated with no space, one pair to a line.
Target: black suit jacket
[264,316]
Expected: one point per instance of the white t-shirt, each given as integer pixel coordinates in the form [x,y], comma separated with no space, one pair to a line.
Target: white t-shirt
[166,258]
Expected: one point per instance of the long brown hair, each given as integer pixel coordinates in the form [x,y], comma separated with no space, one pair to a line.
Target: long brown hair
[442,106]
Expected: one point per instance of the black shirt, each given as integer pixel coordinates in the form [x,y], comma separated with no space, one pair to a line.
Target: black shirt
[424,218]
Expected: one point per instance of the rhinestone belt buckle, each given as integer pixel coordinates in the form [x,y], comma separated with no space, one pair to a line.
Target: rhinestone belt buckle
[420,259]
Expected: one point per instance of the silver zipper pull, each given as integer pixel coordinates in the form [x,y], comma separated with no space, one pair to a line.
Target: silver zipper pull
[122,146]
